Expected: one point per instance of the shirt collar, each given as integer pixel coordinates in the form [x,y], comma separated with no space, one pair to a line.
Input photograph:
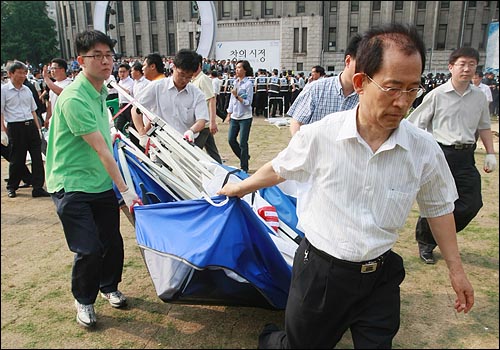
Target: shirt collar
[349,130]
[91,89]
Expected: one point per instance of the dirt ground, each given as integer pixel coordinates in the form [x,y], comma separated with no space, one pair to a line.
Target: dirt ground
[38,311]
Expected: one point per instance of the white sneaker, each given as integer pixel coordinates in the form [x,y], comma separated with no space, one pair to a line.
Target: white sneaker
[116,299]
[85,314]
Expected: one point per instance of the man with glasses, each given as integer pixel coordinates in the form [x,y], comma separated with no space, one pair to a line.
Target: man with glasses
[81,172]
[57,71]
[453,112]
[366,167]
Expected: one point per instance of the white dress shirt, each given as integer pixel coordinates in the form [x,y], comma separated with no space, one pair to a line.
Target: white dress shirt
[358,200]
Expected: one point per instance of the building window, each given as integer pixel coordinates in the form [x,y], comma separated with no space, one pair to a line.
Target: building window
[301,6]
[398,6]
[376,5]
[152,11]
[226,8]
[138,43]
[420,30]
[421,5]
[330,68]
[88,12]
[332,39]
[194,10]
[191,40]
[472,4]
[484,36]
[304,39]
[123,45]
[247,8]
[295,39]
[333,6]
[170,10]
[136,15]
[300,66]
[445,4]
[119,11]
[72,15]
[65,16]
[171,43]
[441,37]
[353,31]
[154,42]
[268,7]
[354,6]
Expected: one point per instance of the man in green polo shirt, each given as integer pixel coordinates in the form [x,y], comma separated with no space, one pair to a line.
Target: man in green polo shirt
[80,171]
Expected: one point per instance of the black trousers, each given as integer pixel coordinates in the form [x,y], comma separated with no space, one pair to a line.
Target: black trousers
[91,223]
[468,182]
[326,298]
[260,102]
[275,104]
[24,137]
[26,177]
[206,140]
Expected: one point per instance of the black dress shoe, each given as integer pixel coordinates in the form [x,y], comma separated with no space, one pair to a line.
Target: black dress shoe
[39,192]
[427,257]
[12,194]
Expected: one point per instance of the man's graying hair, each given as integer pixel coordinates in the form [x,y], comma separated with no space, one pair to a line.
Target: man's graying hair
[15,65]
[370,52]
[87,40]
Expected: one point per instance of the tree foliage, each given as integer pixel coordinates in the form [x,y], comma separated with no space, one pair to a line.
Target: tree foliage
[27,32]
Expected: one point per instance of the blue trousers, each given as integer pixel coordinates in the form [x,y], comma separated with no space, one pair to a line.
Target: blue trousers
[241,127]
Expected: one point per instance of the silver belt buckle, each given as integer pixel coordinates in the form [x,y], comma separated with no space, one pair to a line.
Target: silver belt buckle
[369,267]
[459,146]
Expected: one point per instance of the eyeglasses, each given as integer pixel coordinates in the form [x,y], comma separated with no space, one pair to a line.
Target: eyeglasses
[396,93]
[100,56]
[462,65]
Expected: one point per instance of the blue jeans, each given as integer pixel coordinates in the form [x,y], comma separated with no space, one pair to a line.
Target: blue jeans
[240,149]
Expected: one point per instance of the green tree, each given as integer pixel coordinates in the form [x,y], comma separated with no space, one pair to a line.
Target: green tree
[27,32]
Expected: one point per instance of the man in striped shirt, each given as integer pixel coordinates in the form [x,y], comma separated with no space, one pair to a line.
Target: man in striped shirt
[326,96]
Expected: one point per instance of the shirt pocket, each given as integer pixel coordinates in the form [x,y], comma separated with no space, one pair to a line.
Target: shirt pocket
[187,115]
[391,211]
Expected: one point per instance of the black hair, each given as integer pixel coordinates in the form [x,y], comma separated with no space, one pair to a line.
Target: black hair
[86,40]
[247,67]
[137,66]
[155,58]
[319,70]
[352,46]
[463,52]
[187,60]
[124,65]
[60,62]
[377,39]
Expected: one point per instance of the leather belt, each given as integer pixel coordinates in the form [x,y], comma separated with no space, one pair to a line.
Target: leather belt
[368,266]
[24,122]
[460,146]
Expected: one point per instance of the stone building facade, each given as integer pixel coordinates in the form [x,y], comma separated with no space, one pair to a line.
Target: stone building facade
[309,32]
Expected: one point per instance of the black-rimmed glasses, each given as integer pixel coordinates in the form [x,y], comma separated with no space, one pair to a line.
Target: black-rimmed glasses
[100,56]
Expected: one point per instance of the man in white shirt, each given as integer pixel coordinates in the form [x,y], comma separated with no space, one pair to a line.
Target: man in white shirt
[176,100]
[455,113]
[366,167]
[123,120]
[476,80]
[58,68]
[206,139]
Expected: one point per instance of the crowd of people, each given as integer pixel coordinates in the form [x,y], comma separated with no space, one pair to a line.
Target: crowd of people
[362,164]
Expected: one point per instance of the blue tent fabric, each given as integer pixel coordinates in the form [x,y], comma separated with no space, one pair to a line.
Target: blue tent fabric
[285,205]
[230,236]
[139,175]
